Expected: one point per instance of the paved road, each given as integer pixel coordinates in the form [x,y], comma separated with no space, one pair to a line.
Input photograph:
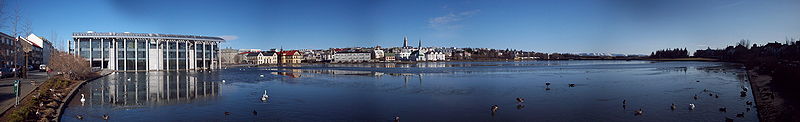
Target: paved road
[7,97]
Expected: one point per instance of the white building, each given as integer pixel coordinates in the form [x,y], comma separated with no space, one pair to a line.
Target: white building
[377,54]
[267,57]
[47,47]
[351,57]
[419,55]
[404,54]
[148,51]
[435,56]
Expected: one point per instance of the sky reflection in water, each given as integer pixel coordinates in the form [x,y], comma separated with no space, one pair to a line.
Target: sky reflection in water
[434,91]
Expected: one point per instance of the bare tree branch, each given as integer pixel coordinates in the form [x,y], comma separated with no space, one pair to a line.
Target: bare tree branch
[15,22]
[27,27]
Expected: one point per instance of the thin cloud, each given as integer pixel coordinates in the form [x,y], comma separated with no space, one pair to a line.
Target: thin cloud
[229,37]
[448,22]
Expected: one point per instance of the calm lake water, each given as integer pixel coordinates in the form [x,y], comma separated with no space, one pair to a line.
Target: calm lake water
[432,91]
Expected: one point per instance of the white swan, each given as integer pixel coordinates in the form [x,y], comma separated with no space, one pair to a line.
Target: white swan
[223,81]
[82,98]
[129,79]
[261,76]
[265,96]
[691,106]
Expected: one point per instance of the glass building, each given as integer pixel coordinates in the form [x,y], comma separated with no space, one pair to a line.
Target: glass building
[147,51]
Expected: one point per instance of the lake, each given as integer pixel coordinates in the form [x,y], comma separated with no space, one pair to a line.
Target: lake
[427,91]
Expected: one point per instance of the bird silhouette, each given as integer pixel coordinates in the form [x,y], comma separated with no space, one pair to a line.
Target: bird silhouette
[106,117]
[638,112]
[673,106]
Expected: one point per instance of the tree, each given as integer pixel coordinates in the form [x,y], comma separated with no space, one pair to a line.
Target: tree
[16,20]
[744,42]
[27,27]
[70,66]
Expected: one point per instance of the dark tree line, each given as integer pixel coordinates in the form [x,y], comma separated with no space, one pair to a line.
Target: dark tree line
[670,53]
[779,60]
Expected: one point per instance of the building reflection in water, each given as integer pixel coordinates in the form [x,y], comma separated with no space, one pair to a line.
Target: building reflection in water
[151,88]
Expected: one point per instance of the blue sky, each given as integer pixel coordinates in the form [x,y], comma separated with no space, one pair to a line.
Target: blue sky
[615,26]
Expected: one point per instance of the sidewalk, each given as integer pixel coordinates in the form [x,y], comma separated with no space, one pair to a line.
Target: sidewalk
[7,97]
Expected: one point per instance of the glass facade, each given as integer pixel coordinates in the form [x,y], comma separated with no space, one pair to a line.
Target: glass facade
[143,52]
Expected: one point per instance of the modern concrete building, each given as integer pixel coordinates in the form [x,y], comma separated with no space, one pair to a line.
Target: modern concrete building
[148,51]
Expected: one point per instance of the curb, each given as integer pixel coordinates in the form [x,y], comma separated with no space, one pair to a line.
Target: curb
[60,110]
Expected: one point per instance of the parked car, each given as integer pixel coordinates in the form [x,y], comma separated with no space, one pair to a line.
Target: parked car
[43,67]
[6,72]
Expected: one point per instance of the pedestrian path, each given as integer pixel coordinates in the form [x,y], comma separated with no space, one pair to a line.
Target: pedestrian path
[27,85]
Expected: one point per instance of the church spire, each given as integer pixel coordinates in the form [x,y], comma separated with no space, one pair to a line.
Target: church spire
[420,44]
[405,42]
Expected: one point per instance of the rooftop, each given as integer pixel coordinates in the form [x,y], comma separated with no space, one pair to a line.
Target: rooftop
[91,34]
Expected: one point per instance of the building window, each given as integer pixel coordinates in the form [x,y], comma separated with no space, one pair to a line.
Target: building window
[141,54]
[181,46]
[141,65]
[84,54]
[181,64]
[130,65]
[106,44]
[131,54]
[83,44]
[96,54]
[141,44]
[130,44]
[121,54]
[121,44]
[95,43]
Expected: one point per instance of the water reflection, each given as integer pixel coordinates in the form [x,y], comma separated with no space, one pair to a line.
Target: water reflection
[153,88]
[362,92]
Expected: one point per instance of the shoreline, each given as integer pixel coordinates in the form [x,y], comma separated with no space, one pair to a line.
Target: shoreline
[61,103]
[771,105]
[414,62]
[74,91]
[683,59]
